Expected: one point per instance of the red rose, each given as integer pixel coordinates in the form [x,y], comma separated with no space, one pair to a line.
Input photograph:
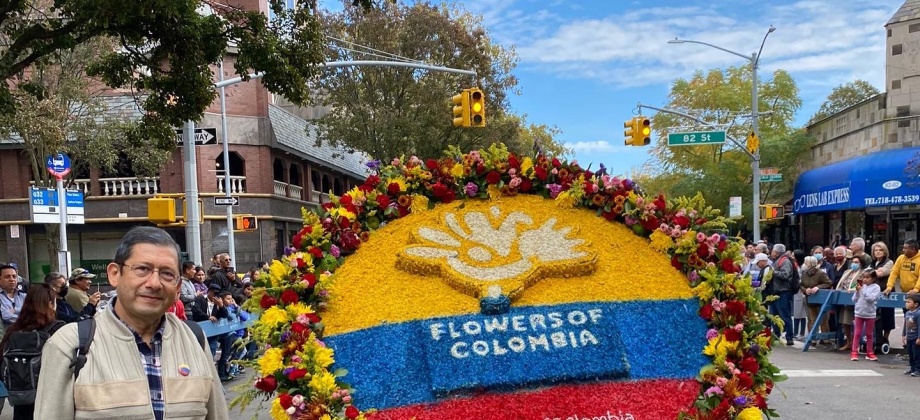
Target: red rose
[439,190]
[383,201]
[267,301]
[393,188]
[372,181]
[769,385]
[344,223]
[513,162]
[540,173]
[731,335]
[297,240]
[760,402]
[298,328]
[300,263]
[313,318]
[651,223]
[556,163]
[289,296]
[735,308]
[706,312]
[316,252]
[345,200]
[351,412]
[480,168]
[431,164]
[286,400]
[682,221]
[703,250]
[267,384]
[526,185]
[728,266]
[310,279]
[660,202]
[745,380]
[675,262]
[297,374]
[493,177]
[750,365]
[403,211]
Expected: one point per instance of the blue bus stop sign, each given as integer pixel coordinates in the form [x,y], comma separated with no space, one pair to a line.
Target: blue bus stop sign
[58,164]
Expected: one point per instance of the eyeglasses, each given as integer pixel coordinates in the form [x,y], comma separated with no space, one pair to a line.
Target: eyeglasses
[143,271]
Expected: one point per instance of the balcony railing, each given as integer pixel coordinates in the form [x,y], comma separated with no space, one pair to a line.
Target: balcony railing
[117,187]
[284,189]
[237,184]
[319,197]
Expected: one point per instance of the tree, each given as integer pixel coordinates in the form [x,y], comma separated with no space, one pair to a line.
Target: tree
[162,49]
[722,171]
[843,97]
[388,112]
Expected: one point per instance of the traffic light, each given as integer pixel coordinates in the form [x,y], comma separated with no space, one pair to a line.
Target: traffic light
[477,108]
[461,108]
[753,143]
[246,223]
[771,212]
[638,131]
[161,210]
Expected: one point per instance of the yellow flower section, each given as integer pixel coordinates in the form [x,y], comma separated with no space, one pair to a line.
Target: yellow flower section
[369,288]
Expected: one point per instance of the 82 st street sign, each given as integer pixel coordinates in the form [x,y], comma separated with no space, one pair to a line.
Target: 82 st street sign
[696,138]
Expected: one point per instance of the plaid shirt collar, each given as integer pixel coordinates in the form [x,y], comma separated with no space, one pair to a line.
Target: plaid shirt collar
[150,360]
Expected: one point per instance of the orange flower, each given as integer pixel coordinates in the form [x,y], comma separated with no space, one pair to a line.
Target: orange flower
[404,200]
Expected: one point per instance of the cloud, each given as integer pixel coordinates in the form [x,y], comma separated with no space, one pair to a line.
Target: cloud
[630,49]
[592,146]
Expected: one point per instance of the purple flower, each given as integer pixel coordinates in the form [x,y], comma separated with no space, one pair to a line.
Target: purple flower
[335,251]
[712,333]
[373,165]
[602,170]
[287,370]
[713,391]
[740,400]
[755,348]
[693,277]
[554,189]
[285,336]
[628,184]
[471,189]
[755,283]
[288,250]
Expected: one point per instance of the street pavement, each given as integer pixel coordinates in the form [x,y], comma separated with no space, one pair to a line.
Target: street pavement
[822,384]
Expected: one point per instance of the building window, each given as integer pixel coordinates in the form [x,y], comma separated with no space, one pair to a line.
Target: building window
[896,49]
[895,84]
[913,28]
[882,102]
[903,111]
[889,33]
[858,112]
[904,124]
[841,124]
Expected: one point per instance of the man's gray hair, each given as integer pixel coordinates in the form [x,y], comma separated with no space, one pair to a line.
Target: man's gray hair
[144,235]
[859,243]
[761,248]
[779,248]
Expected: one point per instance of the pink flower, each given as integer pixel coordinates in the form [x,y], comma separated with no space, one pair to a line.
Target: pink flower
[711,333]
[713,391]
[346,399]
[555,171]
[700,237]
[721,381]
[395,162]
[297,400]
[715,238]
[739,327]
[515,182]
[512,171]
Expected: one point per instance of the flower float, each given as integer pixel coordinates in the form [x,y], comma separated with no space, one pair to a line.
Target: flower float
[490,285]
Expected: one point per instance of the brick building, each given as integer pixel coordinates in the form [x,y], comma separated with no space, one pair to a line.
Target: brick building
[856,183]
[275,169]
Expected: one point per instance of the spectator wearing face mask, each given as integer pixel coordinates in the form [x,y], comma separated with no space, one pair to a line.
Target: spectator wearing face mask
[841,265]
[824,265]
[848,284]
[814,279]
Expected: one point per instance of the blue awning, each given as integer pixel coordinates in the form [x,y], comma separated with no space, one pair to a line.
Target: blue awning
[874,180]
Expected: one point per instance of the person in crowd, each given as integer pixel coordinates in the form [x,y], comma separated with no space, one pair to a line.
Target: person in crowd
[858,246]
[814,279]
[65,312]
[752,267]
[799,311]
[761,274]
[201,285]
[910,334]
[865,309]
[210,307]
[78,292]
[215,265]
[841,263]
[222,276]
[22,283]
[906,269]
[837,241]
[138,351]
[823,264]
[38,314]
[882,266]
[781,285]
[187,292]
[252,275]
[11,298]
[847,284]
[178,308]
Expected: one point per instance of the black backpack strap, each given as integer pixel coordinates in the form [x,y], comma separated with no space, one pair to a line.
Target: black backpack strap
[199,333]
[86,329]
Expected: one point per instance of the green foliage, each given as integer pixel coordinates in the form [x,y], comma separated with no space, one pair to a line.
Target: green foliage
[715,222]
[843,97]
[388,112]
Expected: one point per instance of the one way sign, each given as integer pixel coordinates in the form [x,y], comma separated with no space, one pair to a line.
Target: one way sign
[226,201]
[202,136]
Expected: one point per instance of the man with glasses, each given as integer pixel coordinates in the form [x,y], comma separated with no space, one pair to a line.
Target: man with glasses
[65,312]
[141,363]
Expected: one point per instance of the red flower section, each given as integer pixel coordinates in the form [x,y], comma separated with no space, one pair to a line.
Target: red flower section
[731,335]
[297,374]
[655,399]
[750,364]
[289,297]
[267,384]
[493,177]
[540,173]
[706,312]
[393,188]
[352,412]
[267,301]
[310,278]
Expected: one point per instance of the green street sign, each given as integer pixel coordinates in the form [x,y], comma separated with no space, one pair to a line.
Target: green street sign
[771,178]
[696,138]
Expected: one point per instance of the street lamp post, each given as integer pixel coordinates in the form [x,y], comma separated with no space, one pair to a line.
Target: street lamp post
[754,58]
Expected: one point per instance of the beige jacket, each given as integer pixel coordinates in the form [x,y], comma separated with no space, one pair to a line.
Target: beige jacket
[113,385]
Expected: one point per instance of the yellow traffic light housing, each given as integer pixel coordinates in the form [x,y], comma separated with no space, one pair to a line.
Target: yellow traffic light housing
[638,131]
[477,108]
[161,210]
[753,143]
[771,212]
[461,108]
[245,223]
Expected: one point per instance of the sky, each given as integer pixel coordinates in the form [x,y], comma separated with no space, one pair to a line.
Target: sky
[584,65]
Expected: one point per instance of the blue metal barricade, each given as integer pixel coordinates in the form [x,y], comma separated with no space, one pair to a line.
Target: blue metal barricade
[830,298]
[222,327]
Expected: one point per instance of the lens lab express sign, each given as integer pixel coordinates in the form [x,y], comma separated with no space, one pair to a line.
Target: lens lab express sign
[857,195]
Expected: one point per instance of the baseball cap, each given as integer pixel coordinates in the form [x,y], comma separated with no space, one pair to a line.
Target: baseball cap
[761,257]
[79,273]
[215,287]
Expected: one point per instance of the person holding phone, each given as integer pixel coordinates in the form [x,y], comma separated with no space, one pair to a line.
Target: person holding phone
[78,293]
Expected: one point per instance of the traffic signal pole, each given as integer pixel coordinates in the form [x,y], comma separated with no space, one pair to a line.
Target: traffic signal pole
[190,166]
[231,243]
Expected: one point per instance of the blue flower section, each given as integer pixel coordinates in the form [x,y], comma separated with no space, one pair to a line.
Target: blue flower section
[394,365]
